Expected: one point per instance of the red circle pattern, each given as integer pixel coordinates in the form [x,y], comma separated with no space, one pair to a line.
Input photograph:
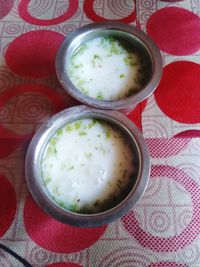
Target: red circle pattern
[6,7]
[8,204]
[181,27]
[63,264]
[9,140]
[25,15]
[62,238]
[88,7]
[174,243]
[167,264]
[33,54]
[179,86]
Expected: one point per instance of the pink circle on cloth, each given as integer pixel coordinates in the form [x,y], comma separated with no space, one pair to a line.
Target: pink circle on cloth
[167,264]
[25,15]
[63,264]
[188,134]
[5,7]
[192,230]
[178,93]
[8,204]
[33,54]
[166,147]
[88,7]
[175,30]
[55,236]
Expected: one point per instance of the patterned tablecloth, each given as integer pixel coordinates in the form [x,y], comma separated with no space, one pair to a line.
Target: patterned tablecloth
[163,230]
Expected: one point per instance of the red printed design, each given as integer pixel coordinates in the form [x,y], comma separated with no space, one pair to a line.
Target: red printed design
[88,7]
[63,264]
[175,30]
[8,204]
[25,15]
[190,232]
[5,7]
[167,264]
[33,54]
[178,92]
[62,238]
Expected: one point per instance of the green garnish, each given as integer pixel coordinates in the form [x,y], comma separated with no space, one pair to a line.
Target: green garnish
[55,191]
[69,128]
[96,59]
[82,133]
[81,49]
[121,75]
[73,207]
[129,61]
[107,134]
[59,132]
[102,149]
[100,95]
[70,168]
[84,91]
[53,141]
[51,150]
[47,180]
[78,124]
[88,155]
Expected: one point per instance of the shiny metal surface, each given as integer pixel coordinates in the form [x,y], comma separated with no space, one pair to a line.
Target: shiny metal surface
[39,143]
[131,35]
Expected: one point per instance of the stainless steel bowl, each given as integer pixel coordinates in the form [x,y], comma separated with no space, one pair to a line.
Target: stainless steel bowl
[37,148]
[132,36]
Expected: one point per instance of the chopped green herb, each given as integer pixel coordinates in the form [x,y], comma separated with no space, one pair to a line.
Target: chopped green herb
[102,149]
[78,124]
[53,141]
[55,191]
[47,180]
[82,133]
[81,49]
[84,91]
[73,207]
[98,135]
[51,150]
[62,204]
[59,132]
[88,155]
[92,123]
[100,95]
[121,75]
[69,128]
[78,66]
[70,168]
[96,60]
[107,134]
[129,61]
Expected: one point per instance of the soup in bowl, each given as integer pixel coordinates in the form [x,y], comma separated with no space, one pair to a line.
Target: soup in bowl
[109,65]
[87,167]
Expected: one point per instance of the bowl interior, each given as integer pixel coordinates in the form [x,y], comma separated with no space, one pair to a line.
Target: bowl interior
[108,204]
[134,38]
